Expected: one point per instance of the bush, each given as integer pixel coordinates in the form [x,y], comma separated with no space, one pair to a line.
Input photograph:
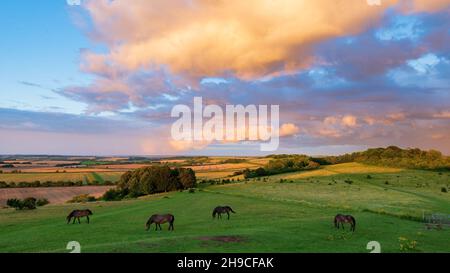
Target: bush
[28,203]
[443,189]
[14,203]
[42,202]
[83,198]
[113,195]
[3,184]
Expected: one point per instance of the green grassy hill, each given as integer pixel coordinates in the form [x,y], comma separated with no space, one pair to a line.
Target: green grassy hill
[293,216]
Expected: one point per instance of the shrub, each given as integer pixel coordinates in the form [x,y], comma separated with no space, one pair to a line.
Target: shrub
[191,190]
[443,189]
[14,203]
[369,176]
[84,198]
[3,184]
[113,195]
[29,203]
[42,202]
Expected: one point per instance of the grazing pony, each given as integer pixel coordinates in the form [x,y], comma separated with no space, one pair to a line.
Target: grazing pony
[160,219]
[341,219]
[77,214]
[219,210]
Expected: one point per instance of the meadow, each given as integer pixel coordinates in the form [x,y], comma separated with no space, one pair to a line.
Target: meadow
[284,213]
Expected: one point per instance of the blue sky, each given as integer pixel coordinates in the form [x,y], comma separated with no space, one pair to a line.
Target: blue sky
[82,79]
[40,52]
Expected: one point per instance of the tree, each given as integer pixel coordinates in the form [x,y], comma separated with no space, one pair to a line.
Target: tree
[187,178]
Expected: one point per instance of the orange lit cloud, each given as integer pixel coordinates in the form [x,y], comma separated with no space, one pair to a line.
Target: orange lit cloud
[251,38]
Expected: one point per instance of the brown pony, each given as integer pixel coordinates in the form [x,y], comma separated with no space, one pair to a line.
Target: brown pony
[219,210]
[77,214]
[341,219]
[160,219]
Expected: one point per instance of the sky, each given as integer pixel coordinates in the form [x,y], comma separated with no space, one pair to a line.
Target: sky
[101,77]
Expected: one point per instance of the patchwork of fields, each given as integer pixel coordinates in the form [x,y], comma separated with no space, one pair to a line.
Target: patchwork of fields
[284,213]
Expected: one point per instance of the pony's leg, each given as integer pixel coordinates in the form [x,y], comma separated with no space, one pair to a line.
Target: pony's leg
[228,215]
[79,222]
[74,219]
[87,219]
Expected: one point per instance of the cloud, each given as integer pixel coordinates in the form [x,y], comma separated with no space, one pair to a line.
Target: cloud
[252,38]
[202,38]
[289,129]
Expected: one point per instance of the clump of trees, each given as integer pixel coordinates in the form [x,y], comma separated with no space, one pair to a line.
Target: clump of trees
[151,180]
[283,164]
[27,203]
[233,161]
[393,156]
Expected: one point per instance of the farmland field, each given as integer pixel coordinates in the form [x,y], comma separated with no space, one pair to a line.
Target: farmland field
[273,215]
[56,195]
[60,176]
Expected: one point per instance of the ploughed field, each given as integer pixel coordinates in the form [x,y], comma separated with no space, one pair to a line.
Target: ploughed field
[55,195]
[284,213]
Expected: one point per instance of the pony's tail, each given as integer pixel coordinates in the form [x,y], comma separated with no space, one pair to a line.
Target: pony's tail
[335,222]
[354,223]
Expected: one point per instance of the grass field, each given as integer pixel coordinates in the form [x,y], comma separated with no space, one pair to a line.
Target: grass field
[271,216]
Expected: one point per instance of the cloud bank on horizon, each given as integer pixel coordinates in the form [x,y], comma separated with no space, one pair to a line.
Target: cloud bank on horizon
[347,75]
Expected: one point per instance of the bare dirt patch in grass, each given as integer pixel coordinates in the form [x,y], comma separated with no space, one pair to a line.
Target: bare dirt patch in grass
[223,239]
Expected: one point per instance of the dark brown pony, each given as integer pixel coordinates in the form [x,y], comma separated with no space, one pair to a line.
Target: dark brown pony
[342,219]
[160,219]
[219,210]
[77,214]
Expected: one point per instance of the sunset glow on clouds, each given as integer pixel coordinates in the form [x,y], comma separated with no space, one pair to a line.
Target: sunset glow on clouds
[345,74]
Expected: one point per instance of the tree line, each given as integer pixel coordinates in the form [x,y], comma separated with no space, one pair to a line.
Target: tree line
[393,156]
[283,164]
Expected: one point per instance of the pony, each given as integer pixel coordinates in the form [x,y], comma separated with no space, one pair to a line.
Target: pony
[219,210]
[160,219]
[77,214]
[341,219]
